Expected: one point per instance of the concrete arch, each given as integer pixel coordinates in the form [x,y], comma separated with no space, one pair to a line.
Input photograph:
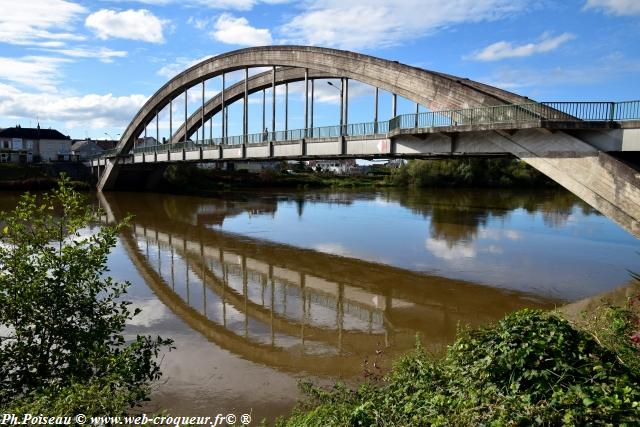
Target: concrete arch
[235,93]
[435,90]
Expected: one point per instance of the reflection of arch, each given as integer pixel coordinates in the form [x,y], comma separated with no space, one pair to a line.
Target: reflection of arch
[280,358]
[236,92]
[263,314]
[435,90]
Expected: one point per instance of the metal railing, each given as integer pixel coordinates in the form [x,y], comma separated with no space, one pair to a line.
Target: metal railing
[500,114]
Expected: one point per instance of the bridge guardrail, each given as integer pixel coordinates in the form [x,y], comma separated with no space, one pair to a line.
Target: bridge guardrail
[512,113]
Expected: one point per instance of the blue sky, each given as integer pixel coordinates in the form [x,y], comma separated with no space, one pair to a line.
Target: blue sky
[86,67]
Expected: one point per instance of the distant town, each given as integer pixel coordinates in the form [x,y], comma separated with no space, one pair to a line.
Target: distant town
[26,145]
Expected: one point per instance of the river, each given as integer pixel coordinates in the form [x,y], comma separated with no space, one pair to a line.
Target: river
[263,289]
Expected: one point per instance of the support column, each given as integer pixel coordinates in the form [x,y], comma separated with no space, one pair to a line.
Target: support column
[157,129]
[186,97]
[245,109]
[273,103]
[375,113]
[264,106]
[394,105]
[341,106]
[306,100]
[171,120]
[202,113]
[417,114]
[222,111]
[346,102]
[311,109]
[286,111]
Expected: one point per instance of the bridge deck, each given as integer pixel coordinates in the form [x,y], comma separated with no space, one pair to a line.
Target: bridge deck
[447,132]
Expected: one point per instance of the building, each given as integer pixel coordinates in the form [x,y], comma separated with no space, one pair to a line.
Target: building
[339,166]
[149,141]
[85,148]
[26,145]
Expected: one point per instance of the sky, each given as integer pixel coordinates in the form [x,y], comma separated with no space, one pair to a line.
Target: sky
[86,67]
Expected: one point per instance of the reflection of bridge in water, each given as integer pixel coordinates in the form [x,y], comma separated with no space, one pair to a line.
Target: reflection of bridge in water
[296,309]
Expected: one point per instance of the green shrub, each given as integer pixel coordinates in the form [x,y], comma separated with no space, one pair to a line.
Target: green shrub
[62,318]
[530,368]
[493,172]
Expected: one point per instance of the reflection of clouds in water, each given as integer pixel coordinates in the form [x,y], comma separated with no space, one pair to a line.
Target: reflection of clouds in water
[513,235]
[383,202]
[333,248]
[494,234]
[153,310]
[494,249]
[442,249]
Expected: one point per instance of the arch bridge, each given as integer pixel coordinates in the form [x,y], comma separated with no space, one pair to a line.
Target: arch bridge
[587,147]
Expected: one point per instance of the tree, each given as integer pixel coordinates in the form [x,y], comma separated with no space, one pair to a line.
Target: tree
[62,319]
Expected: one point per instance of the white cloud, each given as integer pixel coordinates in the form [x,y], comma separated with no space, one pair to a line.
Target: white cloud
[179,65]
[103,54]
[38,22]
[211,4]
[231,30]
[504,49]
[87,111]
[352,24]
[36,71]
[604,69]
[129,24]
[615,7]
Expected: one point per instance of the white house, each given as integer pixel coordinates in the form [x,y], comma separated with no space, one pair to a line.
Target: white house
[25,145]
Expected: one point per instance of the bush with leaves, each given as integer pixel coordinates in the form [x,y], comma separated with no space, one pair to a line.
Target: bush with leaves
[62,320]
[487,172]
[531,368]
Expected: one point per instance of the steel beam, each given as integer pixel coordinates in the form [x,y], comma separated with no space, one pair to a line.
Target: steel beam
[311,109]
[223,111]
[273,102]
[306,100]
[245,109]
[286,110]
[375,112]
[346,102]
[202,111]
[394,105]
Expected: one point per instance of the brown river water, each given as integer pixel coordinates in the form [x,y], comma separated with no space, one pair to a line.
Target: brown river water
[262,289]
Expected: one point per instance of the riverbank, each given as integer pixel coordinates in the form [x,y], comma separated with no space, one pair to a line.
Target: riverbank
[472,172]
[42,176]
[194,180]
[530,368]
